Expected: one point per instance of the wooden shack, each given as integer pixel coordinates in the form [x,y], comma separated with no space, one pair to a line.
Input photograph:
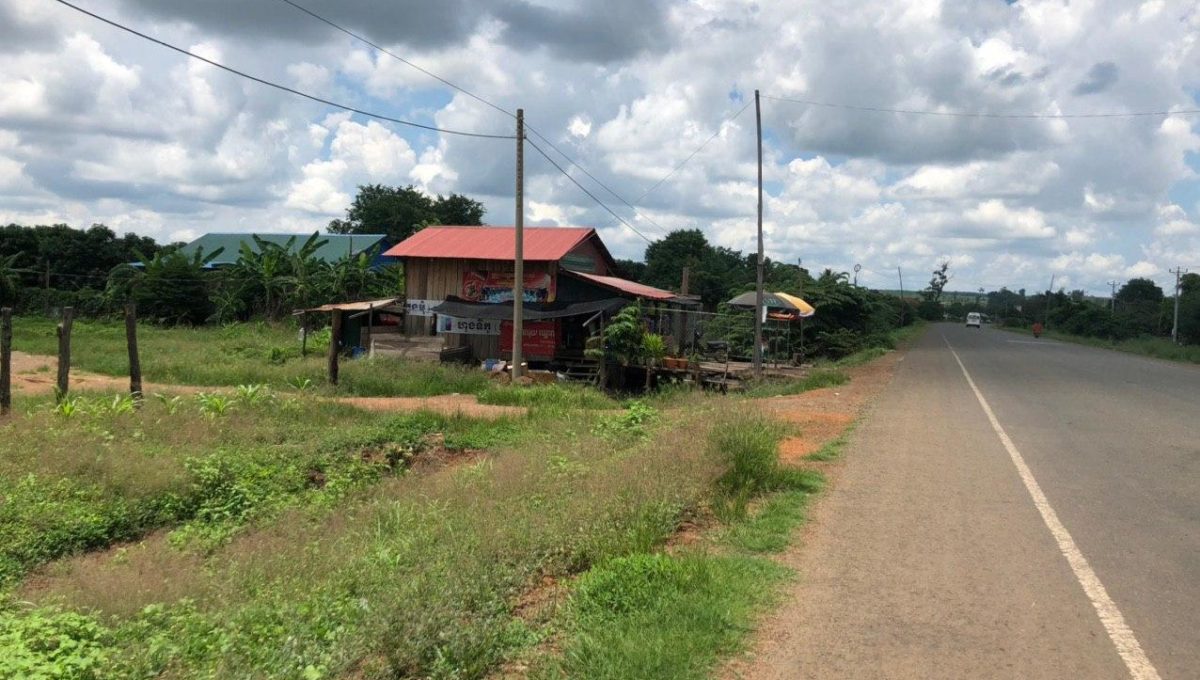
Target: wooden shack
[459,286]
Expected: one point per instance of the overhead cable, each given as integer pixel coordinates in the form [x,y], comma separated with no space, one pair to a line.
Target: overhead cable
[983,114]
[478,98]
[584,190]
[284,88]
[677,168]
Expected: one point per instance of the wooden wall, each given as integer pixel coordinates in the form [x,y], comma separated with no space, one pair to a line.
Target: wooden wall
[437,279]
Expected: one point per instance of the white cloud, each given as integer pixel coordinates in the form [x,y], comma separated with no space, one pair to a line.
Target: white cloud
[95,126]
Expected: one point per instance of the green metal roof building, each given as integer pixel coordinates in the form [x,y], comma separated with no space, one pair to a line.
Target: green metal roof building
[336,247]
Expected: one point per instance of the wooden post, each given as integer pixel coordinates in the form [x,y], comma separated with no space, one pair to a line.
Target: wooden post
[367,342]
[334,336]
[64,352]
[5,360]
[304,334]
[135,364]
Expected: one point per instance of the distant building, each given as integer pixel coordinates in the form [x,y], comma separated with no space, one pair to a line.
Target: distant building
[336,247]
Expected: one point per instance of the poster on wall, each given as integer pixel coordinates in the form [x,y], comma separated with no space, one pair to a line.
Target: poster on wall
[464,326]
[493,287]
[538,339]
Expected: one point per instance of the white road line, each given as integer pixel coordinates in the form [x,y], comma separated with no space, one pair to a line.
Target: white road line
[1122,637]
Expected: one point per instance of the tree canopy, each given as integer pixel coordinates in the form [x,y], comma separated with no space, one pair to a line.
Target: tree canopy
[400,212]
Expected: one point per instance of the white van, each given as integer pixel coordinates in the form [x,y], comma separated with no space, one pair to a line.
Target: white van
[974,319]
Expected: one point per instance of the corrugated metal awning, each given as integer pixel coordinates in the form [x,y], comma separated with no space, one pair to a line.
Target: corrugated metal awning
[633,288]
[361,306]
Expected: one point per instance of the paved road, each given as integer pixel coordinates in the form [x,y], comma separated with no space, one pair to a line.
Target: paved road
[931,556]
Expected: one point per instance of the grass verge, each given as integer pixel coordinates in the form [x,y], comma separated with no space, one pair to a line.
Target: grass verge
[817,379]
[675,615]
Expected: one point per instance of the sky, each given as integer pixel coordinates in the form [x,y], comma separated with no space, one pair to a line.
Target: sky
[97,125]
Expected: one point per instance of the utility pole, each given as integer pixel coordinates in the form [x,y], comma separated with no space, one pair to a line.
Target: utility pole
[903,304]
[1046,311]
[1178,272]
[1113,300]
[758,290]
[519,253]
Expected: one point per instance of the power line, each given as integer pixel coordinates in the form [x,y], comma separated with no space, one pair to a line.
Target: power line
[974,114]
[480,99]
[677,168]
[278,86]
[584,190]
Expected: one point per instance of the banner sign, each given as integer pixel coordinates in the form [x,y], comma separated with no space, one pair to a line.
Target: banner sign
[493,287]
[455,324]
[579,263]
[538,341]
[420,307]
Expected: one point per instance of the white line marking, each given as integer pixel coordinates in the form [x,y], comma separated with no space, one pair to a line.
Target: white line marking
[1122,637]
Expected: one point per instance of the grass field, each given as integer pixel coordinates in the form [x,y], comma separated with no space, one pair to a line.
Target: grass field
[271,532]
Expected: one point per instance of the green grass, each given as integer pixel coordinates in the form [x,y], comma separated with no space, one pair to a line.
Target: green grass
[832,450]
[656,615]
[662,616]
[547,396]
[817,379]
[409,575]
[239,354]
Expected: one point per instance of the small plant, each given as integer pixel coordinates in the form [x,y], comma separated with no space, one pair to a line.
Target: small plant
[253,394]
[654,348]
[301,383]
[120,404]
[68,407]
[632,422]
[214,405]
[170,404]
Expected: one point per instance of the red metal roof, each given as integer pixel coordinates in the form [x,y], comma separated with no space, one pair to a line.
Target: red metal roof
[625,286]
[542,244]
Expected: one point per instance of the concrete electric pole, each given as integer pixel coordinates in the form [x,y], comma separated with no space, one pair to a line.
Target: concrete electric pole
[519,254]
[758,289]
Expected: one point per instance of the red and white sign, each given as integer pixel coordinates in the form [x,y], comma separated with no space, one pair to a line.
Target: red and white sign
[538,341]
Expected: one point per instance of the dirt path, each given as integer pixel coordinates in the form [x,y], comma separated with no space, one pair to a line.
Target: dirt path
[925,558]
[35,374]
[446,404]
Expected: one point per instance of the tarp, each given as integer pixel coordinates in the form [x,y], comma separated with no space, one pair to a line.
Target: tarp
[773,301]
[533,311]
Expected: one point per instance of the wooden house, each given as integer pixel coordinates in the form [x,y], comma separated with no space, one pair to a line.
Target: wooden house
[459,286]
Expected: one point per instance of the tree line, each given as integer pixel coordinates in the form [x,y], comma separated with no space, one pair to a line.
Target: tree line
[848,317]
[1139,308]
[48,267]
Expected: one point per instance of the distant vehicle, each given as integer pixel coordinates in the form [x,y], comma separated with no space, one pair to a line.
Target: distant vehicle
[974,319]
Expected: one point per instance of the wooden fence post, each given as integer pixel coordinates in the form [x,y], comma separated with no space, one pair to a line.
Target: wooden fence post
[5,360]
[334,336]
[64,352]
[135,364]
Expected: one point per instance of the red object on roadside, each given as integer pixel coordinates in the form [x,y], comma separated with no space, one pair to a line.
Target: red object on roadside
[1037,329]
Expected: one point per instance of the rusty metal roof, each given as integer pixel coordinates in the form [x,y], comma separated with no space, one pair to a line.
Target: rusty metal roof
[542,244]
[360,306]
[628,287]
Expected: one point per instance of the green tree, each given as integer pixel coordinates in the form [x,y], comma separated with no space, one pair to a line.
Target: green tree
[169,288]
[9,279]
[399,212]
[1139,306]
